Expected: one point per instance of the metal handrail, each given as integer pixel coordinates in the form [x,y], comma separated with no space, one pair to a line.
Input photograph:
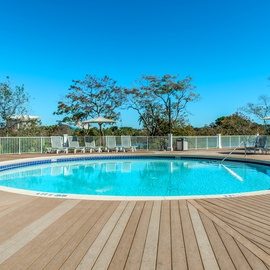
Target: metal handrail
[231,152]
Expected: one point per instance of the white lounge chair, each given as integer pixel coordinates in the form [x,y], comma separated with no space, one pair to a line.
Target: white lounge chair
[73,143]
[126,144]
[57,145]
[259,145]
[90,144]
[111,143]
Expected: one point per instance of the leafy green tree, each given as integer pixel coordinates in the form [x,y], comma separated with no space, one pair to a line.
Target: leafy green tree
[236,124]
[158,100]
[13,101]
[118,131]
[185,130]
[92,97]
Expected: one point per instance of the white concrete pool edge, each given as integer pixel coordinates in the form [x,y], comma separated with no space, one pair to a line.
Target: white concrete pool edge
[126,198]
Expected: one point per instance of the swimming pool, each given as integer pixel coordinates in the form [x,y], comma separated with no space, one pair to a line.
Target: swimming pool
[137,176]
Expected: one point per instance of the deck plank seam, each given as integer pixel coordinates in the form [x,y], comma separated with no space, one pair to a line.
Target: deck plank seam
[245,212]
[97,206]
[208,257]
[129,262]
[8,248]
[231,231]
[96,248]
[236,223]
[183,206]
[221,246]
[139,206]
[102,216]
[244,218]
[235,253]
[182,232]
[52,234]
[112,242]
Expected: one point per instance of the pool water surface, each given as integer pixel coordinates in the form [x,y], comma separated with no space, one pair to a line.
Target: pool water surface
[140,177]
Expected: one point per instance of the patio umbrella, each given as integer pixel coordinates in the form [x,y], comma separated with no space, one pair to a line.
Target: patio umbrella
[99,120]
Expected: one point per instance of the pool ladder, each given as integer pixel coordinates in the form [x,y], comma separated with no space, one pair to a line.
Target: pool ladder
[231,152]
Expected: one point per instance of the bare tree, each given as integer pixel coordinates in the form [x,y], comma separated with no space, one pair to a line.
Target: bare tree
[260,110]
[13,101]
[160,101]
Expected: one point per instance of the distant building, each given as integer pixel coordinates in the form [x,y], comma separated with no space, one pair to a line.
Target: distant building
[18,121]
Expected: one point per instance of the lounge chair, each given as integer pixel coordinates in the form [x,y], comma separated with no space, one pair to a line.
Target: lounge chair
[73,143]
[90,144]
[126,144]
[57,145]
[259,145]
[111,143]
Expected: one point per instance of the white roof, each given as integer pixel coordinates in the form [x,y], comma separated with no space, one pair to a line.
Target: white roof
[27,117]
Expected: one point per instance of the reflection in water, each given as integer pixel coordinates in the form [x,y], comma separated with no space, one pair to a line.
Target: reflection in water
[139,177]
[111,167]
[126,166]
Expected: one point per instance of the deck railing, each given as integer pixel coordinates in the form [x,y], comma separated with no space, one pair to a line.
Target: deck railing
[21,145]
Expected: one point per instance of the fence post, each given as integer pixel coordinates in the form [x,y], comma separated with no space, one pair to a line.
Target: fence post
[170,142]
[65,139]
[19,145]
[219,141]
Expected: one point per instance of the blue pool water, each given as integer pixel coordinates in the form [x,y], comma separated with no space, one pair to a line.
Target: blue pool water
[140,177]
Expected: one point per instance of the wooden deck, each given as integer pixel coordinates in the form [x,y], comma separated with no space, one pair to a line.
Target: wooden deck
[56,233]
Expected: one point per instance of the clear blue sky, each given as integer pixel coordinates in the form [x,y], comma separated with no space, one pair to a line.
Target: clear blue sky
[223,45]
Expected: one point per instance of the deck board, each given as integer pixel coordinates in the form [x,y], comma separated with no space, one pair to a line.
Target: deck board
[223,258]
[235,253]
[151,243]
[178,234]
[208,233]
[252,260]
[164,243]
[192,250]
[102,217]
[121,253]
[137,248]
[56,256]
[47,238]
[179,259]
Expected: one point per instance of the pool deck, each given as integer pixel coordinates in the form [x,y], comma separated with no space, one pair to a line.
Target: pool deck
[231,232]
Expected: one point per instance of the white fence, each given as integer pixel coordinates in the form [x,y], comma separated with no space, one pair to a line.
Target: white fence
[21,145]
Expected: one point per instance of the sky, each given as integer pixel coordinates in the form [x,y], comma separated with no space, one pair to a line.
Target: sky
[223,45]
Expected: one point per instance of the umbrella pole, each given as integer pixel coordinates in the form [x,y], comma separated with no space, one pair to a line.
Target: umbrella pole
[101,134]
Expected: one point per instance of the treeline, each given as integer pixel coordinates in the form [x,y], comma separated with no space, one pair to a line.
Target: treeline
[159,101]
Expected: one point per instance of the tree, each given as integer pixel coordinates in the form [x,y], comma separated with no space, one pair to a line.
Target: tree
[13,101]
[259,110]
[236,124]
[158,100]
[92,97]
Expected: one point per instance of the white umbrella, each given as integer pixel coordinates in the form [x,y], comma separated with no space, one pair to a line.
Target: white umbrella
[99,120]
[266,118]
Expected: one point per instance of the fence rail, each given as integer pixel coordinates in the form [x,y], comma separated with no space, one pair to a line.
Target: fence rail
[21,145]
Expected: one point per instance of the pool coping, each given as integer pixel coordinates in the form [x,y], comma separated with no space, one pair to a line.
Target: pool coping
[5,165]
